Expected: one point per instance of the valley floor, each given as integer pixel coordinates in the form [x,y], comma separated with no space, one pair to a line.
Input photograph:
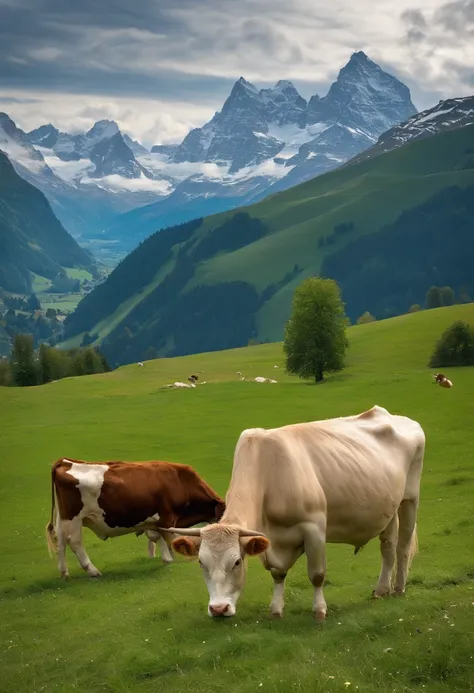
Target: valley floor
[143,626]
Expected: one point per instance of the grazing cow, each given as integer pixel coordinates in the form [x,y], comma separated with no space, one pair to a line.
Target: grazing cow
[116,498]
[344,480]
[442,380]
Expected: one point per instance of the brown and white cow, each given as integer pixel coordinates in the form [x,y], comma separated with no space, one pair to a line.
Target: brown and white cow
[344,480]
[116,498]
[442,380]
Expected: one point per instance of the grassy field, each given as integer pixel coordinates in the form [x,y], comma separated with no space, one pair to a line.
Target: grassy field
[143,627]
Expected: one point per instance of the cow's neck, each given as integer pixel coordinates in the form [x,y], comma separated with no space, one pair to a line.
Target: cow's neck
[243,509]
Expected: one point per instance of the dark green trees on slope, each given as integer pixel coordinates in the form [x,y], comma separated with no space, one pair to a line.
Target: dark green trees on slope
[31,237]
[392,227]
[431,244]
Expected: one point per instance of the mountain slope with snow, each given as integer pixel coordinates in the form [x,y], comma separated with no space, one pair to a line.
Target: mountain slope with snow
[450,114]
[262,141]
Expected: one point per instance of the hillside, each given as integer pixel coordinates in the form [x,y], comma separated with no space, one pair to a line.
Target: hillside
[216,283]
[142,627]
[32,240]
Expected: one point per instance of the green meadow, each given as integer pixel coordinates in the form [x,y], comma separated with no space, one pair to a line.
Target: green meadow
[143,626]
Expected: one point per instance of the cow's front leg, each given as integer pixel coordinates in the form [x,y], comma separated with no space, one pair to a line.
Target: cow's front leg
[315,549]
[278,601]
[278,561]
[166,553]
[151,548]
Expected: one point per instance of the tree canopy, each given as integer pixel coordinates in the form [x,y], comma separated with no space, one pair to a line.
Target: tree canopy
[315,335]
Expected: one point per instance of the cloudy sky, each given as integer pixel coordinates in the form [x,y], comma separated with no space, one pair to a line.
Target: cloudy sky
[160,67]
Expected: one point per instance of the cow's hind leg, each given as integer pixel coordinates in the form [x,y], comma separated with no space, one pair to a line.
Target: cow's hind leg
[315,549]
[74,538]
[62,545]
[407,542]
[388,546]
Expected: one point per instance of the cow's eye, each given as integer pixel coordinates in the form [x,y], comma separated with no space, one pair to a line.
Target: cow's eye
[238,563]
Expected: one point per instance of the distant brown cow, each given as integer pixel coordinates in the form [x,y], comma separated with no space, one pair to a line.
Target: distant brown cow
[442,380]
[116,498]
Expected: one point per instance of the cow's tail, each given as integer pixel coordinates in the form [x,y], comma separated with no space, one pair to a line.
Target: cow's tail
[51,537]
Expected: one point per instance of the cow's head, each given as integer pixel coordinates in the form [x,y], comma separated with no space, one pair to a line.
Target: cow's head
[222,551]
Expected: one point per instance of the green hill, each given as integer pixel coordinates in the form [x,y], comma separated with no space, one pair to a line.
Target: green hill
[142,627]
[213,284]
[32,240]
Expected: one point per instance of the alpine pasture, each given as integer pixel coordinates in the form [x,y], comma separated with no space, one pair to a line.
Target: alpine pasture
[143,626]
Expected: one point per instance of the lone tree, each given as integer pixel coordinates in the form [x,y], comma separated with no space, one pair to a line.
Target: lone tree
[455,347]
[315,335]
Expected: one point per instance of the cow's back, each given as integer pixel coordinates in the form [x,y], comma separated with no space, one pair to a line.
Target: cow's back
[354,469]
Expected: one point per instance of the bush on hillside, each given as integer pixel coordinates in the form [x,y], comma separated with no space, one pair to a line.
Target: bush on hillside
[365,318]
[433,297]
[447,296]
[414,308]
[455,347]
[315,335]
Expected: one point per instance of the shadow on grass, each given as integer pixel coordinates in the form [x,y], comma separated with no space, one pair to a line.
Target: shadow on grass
[155,570]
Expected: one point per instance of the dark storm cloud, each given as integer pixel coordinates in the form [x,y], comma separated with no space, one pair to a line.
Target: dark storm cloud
[184,55]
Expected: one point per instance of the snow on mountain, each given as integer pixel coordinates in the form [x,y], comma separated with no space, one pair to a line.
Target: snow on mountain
[261,141]
[95,179]
[14,143]
[446,115]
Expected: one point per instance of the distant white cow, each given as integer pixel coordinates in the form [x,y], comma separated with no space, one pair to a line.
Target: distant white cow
[345,480]
[140,364]
[178,385]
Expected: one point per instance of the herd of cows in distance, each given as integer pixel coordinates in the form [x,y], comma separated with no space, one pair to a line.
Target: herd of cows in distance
[292,490]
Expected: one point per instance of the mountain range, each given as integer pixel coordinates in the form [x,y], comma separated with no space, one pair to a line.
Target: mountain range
[387,225]
[109,189]
[32,240]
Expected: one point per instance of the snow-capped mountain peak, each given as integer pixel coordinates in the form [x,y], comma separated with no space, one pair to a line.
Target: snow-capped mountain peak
[102,130]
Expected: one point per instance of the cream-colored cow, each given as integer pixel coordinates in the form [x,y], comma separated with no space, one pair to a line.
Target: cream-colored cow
[344,480]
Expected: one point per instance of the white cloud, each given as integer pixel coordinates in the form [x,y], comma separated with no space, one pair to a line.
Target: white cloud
[192,50]
[150,121]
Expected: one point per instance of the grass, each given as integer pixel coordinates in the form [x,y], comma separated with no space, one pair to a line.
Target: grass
[143,626]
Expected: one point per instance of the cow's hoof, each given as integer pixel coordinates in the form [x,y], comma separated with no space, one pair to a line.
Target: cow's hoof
[398,592]
[95,574]
[319,616]
[381,594]
[276,614]
[65,576]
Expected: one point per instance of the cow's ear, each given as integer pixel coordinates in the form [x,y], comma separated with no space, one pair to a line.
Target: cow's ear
[255,545]
[187,546]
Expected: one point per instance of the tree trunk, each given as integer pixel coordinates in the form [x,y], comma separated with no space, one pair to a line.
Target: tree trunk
[319,375]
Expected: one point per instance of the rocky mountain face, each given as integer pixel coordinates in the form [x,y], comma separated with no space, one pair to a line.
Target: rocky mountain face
[32,240]
[260,142]
[449,114]
[89,178]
